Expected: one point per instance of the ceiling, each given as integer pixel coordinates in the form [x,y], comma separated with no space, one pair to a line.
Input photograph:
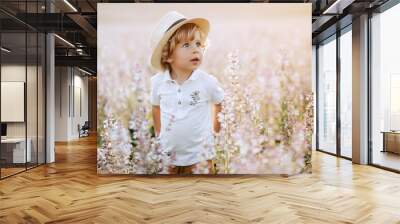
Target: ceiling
[76,22]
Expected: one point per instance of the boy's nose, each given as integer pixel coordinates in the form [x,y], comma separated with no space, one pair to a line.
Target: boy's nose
[196,49]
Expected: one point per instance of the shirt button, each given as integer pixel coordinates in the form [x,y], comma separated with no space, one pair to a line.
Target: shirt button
[179,102]
[179,90]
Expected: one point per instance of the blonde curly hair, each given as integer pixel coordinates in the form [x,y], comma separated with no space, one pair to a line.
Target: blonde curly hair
[184,33]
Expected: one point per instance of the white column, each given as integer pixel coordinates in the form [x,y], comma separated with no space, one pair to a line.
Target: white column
[360,90]
[50,92]
[50,100]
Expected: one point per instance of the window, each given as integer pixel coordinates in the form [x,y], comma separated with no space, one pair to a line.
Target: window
[346,93]
[385,89]
[327,96]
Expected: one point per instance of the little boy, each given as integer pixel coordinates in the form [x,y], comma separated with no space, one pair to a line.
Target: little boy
[182,95]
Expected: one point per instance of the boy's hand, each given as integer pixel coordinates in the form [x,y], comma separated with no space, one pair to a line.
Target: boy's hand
[156,119]
[217,110]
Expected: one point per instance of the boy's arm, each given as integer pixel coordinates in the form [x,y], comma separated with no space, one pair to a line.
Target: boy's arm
[217,109]
[156,119]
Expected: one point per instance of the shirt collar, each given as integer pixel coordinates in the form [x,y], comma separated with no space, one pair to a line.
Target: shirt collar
[194,76]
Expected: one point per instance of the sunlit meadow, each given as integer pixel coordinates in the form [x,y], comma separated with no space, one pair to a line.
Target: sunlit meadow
[262,59]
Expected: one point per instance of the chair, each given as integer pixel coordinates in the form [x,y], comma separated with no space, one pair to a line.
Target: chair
[84,130]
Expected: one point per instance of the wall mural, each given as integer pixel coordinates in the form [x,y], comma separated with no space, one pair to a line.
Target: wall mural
[204,88]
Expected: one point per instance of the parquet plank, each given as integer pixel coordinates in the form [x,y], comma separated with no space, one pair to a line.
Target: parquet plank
[70,191]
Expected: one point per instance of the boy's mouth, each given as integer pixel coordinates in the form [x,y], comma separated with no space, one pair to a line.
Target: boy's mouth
[195,60]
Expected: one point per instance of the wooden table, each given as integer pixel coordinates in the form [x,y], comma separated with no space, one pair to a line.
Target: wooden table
[391,141]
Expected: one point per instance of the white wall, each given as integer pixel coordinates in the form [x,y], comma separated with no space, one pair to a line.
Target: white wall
[80,100]
[71,93]
[62,81]
[12,73]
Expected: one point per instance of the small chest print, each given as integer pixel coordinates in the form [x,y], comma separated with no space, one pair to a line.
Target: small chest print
[195,97]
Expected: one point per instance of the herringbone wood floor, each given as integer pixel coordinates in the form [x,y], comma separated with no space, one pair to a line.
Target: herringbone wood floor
[70,191]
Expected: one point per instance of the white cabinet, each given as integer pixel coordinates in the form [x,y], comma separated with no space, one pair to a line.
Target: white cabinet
[18,149]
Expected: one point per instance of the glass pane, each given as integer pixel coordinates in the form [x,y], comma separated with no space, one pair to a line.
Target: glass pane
[41,98]
[327,97]
[13,86]
[314,88]
[386,89]
[23,88]
[346,94]
[31,97]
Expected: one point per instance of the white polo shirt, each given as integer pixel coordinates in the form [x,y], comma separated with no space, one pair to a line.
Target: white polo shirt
[186,123]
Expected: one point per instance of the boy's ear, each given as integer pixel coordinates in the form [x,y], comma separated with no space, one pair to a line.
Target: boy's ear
[169,60]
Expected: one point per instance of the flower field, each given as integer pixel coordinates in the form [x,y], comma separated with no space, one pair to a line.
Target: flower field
[266,118]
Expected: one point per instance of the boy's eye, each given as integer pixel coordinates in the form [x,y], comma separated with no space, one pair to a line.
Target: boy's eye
[185,45]
[198,44]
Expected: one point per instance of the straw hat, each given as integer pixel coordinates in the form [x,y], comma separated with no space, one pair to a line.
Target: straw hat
[164,30]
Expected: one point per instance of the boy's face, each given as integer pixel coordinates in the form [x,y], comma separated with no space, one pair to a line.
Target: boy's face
[187,55]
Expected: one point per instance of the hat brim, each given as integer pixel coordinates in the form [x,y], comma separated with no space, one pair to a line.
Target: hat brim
[155,61]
